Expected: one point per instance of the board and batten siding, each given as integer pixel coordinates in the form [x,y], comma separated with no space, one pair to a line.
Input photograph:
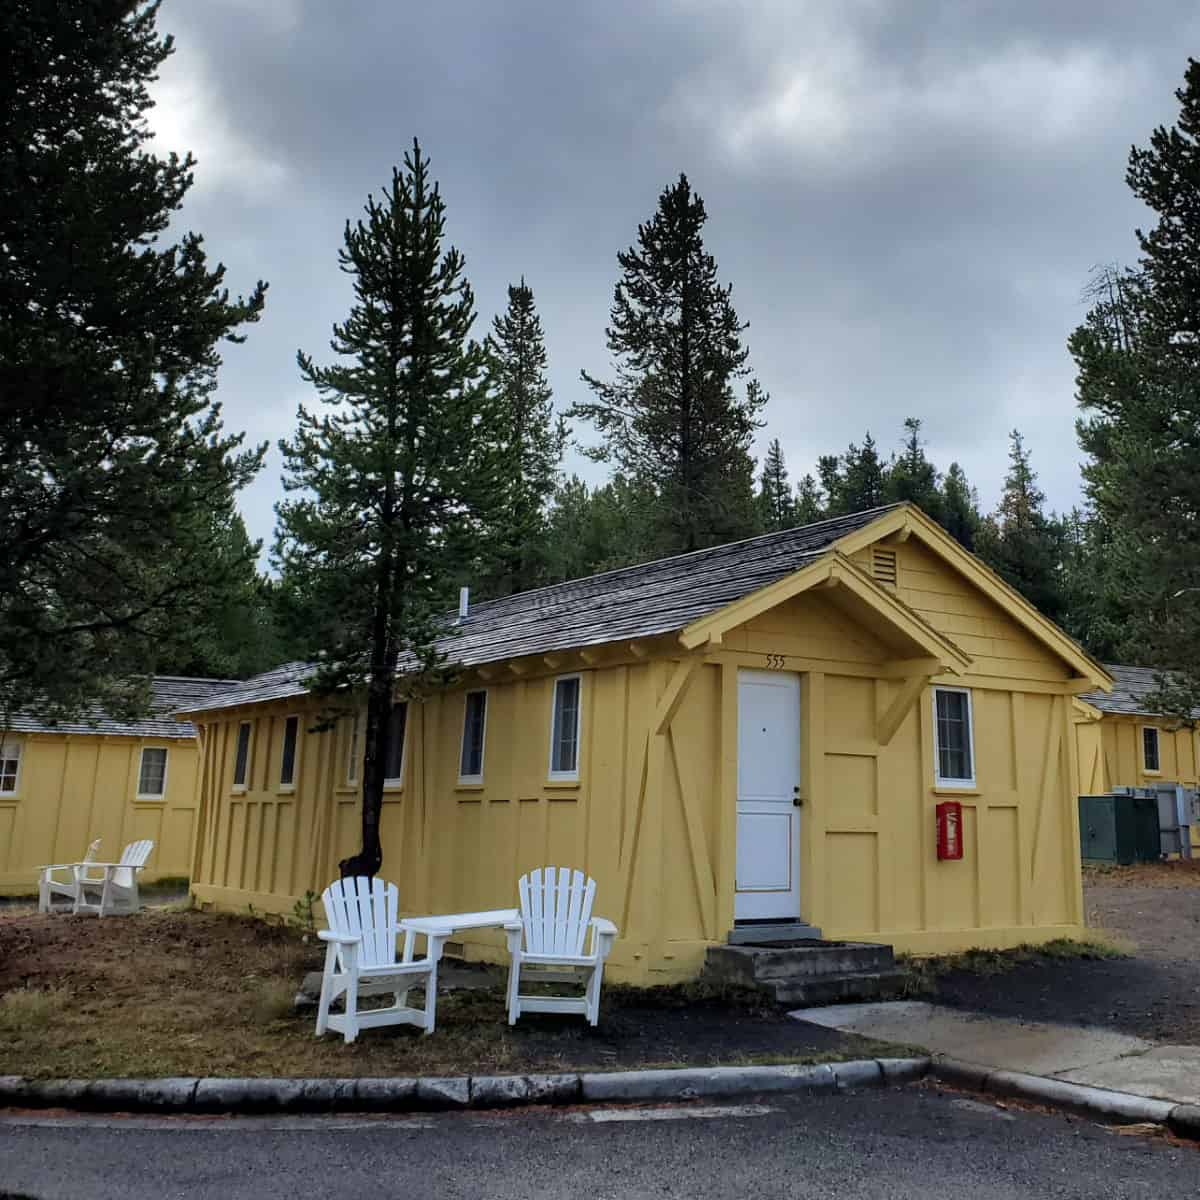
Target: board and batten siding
[653,815]
[74,788]
[1109,750]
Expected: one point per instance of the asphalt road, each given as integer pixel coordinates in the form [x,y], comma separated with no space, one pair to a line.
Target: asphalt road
[913,1142]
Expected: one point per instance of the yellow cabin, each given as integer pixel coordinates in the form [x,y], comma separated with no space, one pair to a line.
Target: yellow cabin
[1122,742]
[63,786]
[761,732]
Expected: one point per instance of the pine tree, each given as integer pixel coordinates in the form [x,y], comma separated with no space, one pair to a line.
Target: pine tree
[599,529]
[777,505]
[1138,386]
[531,445]
[112,454]
[809,505]
[854,482]
[960,508]
[912,476]
[670,418]
[392,486]
[1020,542]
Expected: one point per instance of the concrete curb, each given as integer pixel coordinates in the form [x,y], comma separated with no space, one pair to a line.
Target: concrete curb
[429,1093]
[1101,1103]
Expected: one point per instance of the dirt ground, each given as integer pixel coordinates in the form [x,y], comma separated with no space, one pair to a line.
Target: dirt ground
[1154,993]
[185,993]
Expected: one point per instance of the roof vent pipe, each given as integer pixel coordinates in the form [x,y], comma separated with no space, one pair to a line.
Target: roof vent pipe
[464,603]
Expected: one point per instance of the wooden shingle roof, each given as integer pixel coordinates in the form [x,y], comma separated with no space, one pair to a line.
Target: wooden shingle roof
[1131,687]
[632,602]
[169,694]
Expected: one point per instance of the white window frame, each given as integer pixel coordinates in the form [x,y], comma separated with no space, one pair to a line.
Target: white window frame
[965,784]
[17,746]
[140,795]
[289,787]
[354,746]
[1146,768]
[565,776]
[462,746]
[236,788]
[398,781]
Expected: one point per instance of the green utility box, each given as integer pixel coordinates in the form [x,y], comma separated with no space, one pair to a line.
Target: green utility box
[1119,829]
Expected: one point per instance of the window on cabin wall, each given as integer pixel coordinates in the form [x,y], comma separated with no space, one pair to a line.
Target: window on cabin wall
[1150,755]
[954,748]
[393,774]
[152,773]
[470,764]
[241,758]
[10,768]
[564,729]
[353,749]
[287,760]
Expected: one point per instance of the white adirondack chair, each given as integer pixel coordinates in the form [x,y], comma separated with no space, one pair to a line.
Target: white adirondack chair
[556,918]
[49,887]
[360,960]
[115,888]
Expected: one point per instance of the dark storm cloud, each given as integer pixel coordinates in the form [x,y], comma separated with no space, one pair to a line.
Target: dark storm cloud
[906,197]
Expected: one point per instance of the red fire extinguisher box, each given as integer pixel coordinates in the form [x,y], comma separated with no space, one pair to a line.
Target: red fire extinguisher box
[949,830]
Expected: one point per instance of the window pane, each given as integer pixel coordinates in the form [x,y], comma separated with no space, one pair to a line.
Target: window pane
[395,755]
[1150,749]
[153,772]
[471,764]
[243,755]
[953,736]
[287,765]
[10,761]
[565,735]
[352,750]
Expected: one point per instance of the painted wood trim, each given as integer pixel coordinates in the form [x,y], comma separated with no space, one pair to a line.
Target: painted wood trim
[930,534]
[893,716]
[702,871]
[673,697]
[726,869]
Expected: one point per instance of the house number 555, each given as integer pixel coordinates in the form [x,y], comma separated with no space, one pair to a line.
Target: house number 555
[776,662]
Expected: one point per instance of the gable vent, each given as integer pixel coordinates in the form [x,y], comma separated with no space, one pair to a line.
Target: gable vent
[883,566]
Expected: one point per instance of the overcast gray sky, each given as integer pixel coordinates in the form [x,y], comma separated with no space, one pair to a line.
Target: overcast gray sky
[907,197]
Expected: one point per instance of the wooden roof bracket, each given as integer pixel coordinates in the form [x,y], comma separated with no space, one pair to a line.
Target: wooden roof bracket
[893,716]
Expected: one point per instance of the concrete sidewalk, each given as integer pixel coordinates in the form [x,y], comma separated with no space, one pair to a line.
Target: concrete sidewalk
[1074,1054]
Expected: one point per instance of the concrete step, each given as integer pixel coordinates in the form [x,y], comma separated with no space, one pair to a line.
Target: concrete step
[765,966]
[837,989]
[759,934]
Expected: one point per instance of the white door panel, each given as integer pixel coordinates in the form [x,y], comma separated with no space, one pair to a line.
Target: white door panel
[768,822]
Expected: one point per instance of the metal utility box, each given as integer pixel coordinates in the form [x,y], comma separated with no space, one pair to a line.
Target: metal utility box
[1119,829]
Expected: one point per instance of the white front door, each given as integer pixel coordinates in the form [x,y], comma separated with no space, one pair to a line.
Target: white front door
[768,820]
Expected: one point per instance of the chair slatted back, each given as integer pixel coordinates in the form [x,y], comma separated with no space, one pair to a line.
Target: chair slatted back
[556,906]
[365,908]
[134,855]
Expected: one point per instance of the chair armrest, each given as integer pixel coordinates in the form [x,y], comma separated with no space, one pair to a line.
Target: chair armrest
[342,939]
[64,866]
[603,925]
[513,927]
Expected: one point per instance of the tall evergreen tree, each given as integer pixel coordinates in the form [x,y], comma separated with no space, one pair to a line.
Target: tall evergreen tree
[810,506]
[1138,386]
[777,505]
[390,487]
[1020,542]
[960,508]
[670,418]
[112,454]
[912,476]
[855,481]
[531,445]
[598,529]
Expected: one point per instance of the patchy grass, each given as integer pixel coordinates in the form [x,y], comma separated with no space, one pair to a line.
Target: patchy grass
[1175,873]
[924,972]
[191,993]
[30,1010]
